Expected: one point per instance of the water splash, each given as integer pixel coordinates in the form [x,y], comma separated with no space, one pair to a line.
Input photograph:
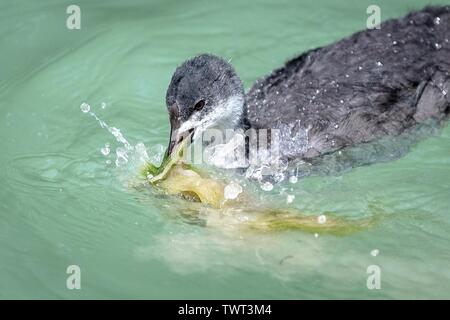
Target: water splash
[228,155]
[85,107]
[105,150]
[290,198]
[127,156]
[267,186]
[232,191]
[293,179]
[322,219]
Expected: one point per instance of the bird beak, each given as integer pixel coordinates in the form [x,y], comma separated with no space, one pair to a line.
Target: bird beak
[175,123]
[176,137]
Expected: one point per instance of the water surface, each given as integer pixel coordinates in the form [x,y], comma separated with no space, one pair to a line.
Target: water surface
[63,203]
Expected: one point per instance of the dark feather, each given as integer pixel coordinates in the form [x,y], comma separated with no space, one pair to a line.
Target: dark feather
[374,83]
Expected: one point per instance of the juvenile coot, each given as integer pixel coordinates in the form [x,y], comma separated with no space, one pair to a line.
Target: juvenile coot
[372,84]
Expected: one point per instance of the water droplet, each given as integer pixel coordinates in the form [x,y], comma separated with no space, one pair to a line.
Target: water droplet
[290,198]
[444,92]
[322,219]
[103,105]
[360,68]
[379,64]
[316,235]
[105,150]
[347,76]
[438,46]
[122,156]
[375,252]
[293,179]
[115,132]
[232,191]
[267,186]
[394,43]
[437,20]
[336,126]
[85,107]
[341,101]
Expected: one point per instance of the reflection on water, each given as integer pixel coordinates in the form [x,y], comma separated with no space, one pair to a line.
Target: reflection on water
[64,201]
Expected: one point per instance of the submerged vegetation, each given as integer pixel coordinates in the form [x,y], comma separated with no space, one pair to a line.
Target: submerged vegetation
[176,178]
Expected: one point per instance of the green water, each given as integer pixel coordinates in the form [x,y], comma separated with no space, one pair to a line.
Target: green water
[61,204]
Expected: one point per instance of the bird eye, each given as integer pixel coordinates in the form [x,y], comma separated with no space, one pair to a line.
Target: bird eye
[199,105]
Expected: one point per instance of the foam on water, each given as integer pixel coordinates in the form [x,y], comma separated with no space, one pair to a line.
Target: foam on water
[232,191]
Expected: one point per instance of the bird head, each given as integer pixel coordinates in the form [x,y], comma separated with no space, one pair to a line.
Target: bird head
[204,92]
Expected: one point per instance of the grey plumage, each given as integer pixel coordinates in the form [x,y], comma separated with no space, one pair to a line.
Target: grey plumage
[204,77]
[372,84]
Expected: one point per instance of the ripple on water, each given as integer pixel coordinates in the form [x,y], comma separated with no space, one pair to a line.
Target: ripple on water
[49,172]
